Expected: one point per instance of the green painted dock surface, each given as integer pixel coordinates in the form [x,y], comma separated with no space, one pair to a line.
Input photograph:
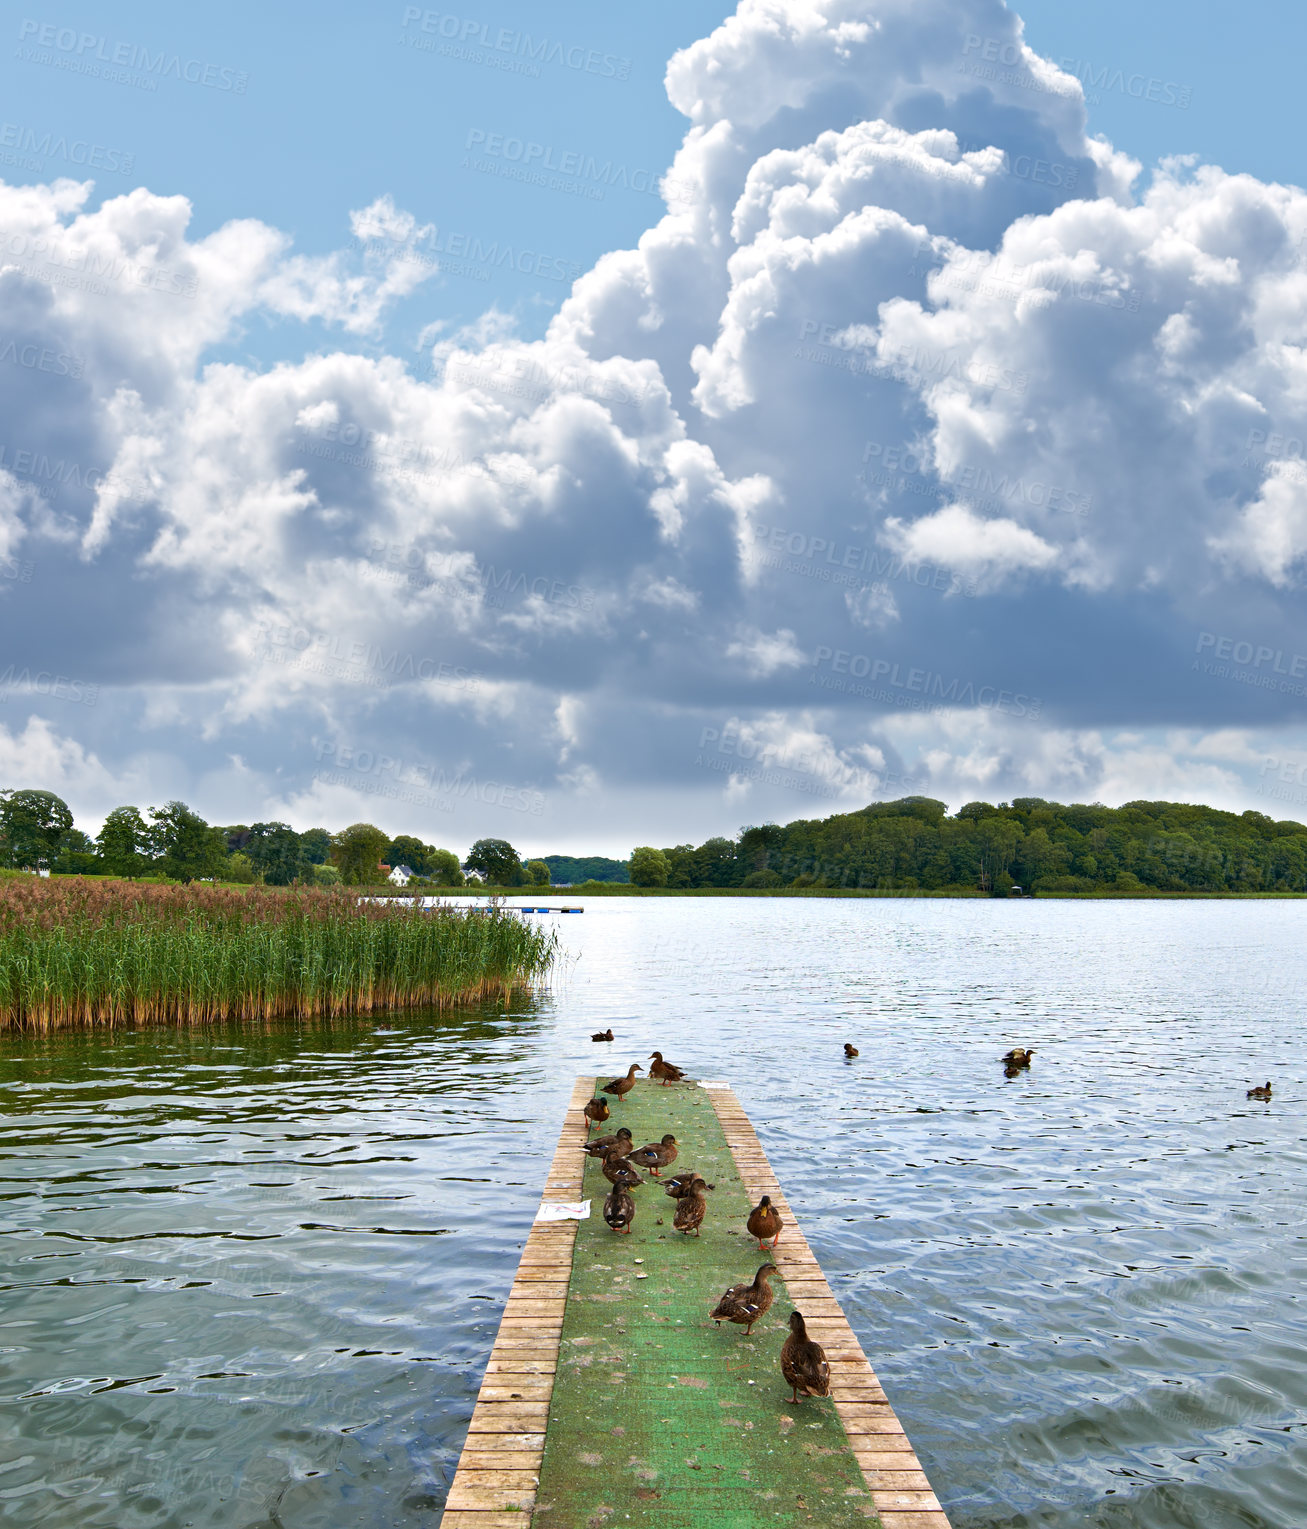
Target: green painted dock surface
[612,1399]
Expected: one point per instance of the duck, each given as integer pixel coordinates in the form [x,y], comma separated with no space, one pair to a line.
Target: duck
[765,1221]
[1019,1056]
[850,1050]
[602,1035]
[1263,1091]
[618,1171]
[655,1156]
[601,1144]
[596,1112]
[803,1362]
[680,1184]
[745,1304]
[619,1208]
[664,1070]
[689,1211]
[620,1086]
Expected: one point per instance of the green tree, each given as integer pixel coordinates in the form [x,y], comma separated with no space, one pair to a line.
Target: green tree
[445,870]
[649,867]
[406,850]
[356,853]
[184,845]
[276,853]
[538,871]
[497,861]
[32,825]
[240,869]
[315,845]
[76,856]
[123,842]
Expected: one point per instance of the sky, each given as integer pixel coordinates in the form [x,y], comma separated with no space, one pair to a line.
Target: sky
[627,426]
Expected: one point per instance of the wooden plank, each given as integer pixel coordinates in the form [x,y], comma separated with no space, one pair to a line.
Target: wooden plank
[900,1489]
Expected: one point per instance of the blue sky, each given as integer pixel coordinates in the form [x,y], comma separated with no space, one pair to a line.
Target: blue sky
[907,438]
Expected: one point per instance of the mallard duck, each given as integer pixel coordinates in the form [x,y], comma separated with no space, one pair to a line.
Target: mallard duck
[689,1211]
[680,1184]
[746,1303]
[664,1070]
[596,1112]
[617,1170]
[601,1144]
[602,1035]
[765,1221]
[803,1362]
[655,1156]
[619,1208]
[1019,1056]
[1261,1092]
[850,1050]
[620,1086]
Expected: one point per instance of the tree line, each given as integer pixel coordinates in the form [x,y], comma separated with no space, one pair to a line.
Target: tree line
[1044,847]
[37,833]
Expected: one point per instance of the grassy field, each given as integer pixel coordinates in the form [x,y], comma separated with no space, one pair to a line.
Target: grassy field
[77,951]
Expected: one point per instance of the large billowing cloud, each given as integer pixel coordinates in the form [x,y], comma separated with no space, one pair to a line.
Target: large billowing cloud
[923,444]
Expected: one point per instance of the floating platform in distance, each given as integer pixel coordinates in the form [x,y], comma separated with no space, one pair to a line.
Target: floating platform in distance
[610,1397]
[535,909]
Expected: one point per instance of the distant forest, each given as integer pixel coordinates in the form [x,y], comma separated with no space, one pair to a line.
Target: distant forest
[1044,847]
[565,870]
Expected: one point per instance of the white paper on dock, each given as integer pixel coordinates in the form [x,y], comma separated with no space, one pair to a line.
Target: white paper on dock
[712,1083]
[564,1210]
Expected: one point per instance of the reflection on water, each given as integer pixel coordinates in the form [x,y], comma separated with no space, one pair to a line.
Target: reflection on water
[250,1276]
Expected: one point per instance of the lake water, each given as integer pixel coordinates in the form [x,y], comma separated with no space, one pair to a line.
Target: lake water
[250,1277]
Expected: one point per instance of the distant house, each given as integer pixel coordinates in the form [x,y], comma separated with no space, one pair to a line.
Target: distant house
[401,875]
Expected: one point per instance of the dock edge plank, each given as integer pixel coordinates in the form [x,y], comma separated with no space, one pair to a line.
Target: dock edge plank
[512,1408]
[902,1496]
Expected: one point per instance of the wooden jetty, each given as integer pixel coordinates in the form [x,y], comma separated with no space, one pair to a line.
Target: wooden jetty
[610,1398]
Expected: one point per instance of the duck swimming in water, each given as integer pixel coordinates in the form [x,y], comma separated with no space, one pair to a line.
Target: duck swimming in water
[1019,1056]
[850,1050]
[1262,1091]
[602,1035]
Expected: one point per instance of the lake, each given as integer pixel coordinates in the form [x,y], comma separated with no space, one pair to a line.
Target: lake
[251,1275]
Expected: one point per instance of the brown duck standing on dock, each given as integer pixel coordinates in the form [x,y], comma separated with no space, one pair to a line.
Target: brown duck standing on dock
[656,1155]
[618,1171]
[765,1221]
[746,1303]
[600,1145]
[596,1112]
[803,1362]
[689,1211]
[1262,1091]
[619,1208]
[620,1086]
[850,1050]
[1019,1056]
[664,1070]
[602,1035]
[680,1184]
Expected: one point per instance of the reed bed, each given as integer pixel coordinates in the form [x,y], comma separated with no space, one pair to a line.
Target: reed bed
[93,952]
